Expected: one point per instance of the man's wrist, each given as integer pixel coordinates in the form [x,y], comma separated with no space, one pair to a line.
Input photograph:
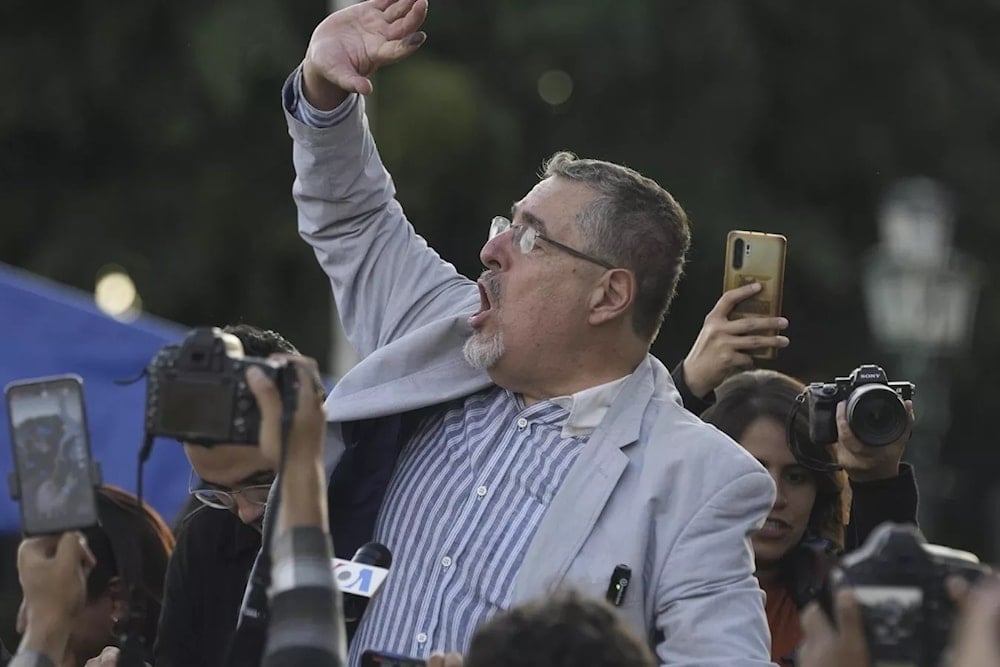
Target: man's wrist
[302,493]
[318,91]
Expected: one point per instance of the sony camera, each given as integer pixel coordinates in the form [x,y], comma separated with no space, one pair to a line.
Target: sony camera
[875,408]
[196,392]
[899,582]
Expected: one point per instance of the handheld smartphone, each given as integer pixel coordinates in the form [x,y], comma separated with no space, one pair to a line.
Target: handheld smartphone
[756,257]
[379,659]
[54,477]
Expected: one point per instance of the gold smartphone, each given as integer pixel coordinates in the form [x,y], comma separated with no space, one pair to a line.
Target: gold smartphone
[756,257]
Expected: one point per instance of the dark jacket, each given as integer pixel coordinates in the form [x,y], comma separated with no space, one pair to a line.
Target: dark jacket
[205,581]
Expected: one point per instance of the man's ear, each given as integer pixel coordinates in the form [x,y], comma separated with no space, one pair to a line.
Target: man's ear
[612,297]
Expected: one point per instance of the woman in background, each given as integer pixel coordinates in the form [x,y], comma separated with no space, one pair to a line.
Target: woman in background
[131,547]
[821,509]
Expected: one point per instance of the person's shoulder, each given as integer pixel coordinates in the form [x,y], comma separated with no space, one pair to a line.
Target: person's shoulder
[681,452]
[684,434]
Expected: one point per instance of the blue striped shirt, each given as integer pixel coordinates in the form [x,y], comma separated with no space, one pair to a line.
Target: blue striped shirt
[468,493]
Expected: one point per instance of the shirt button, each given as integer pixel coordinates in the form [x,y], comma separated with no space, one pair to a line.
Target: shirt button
[522,422]
[481,491]
[446,561]
[421,638]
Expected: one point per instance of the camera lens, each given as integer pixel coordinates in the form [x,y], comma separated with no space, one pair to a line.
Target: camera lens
[738,254]
[876,414]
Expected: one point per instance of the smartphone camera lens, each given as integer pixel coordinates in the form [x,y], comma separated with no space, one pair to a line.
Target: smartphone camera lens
[738,254]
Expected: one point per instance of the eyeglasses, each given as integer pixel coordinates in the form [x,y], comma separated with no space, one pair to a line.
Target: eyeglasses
[255,494]
[525,237]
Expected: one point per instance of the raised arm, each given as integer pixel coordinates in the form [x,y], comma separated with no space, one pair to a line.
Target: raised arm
[386,280]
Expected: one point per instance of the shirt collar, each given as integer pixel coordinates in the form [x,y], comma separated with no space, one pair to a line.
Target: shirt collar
[588,407]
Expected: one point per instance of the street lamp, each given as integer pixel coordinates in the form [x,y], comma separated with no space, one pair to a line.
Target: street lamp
[921,294]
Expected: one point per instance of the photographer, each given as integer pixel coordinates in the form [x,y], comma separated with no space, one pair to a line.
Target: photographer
[807,525]
[306,623]
[218,541]
[975,637]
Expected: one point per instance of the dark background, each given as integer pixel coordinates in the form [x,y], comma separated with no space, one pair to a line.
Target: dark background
[150,135]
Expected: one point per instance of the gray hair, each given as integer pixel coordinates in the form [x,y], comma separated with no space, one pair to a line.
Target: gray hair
[635,224]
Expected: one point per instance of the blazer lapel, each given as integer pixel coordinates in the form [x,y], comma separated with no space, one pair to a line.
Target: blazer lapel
[575,509]
[423,368]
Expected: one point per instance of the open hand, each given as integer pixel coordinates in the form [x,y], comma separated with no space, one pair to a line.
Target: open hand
[722,346]
[349,45]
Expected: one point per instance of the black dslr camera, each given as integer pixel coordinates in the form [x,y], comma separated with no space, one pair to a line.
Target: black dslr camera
[899,582]
[196,392]
[875,407]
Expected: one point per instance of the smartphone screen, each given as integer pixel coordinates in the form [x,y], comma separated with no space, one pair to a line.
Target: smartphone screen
[48,426]
[378,659]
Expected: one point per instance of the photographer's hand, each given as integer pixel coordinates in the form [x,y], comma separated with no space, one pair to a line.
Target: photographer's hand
[349,45]
[827,646]
[53,572]
[869,464]
[303,479]
[720,349]
[976,638]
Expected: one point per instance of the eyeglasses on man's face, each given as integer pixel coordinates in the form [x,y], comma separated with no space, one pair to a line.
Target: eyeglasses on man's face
[525,237]
[223,499]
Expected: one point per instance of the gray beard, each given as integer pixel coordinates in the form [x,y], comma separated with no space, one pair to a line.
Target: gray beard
[483,352]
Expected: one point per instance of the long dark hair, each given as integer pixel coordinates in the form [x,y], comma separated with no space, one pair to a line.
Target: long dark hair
[749,395]
[128,533]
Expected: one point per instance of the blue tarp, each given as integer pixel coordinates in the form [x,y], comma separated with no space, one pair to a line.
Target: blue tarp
[50,329]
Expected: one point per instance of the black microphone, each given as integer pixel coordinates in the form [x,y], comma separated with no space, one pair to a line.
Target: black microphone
[375,554]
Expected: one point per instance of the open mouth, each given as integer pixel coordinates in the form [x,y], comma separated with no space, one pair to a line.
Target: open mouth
[477,318]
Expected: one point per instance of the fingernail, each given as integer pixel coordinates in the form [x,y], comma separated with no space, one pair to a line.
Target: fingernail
[782,322]
[254,374]
[756,287]
[415,39]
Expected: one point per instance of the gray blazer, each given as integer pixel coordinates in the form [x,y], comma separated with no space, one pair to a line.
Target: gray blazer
[654,487]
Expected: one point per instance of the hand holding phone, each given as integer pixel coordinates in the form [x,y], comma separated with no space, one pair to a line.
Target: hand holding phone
[756,257]
[54,477]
